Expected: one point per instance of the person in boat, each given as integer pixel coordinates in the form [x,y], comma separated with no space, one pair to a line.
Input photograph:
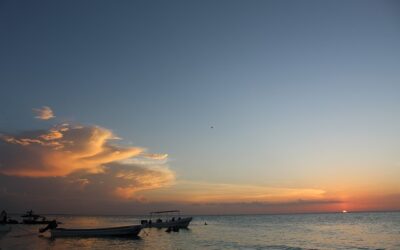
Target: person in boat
[3,217]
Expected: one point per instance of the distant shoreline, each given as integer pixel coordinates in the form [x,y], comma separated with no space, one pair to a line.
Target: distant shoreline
[200,215]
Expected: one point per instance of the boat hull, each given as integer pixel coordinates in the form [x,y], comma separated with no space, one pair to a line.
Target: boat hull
[182,223]
[97,232]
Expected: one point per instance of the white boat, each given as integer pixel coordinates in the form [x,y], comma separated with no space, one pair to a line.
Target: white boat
[133,230]
[179,223]
[169,222]
[5,228]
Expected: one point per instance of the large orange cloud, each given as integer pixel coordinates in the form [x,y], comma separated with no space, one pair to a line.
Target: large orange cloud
[60,151]
[83,154]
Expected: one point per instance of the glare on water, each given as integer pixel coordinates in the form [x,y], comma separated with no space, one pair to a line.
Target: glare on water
[307,231]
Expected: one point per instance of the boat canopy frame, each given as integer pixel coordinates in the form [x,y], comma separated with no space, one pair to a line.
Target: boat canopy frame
[165,214]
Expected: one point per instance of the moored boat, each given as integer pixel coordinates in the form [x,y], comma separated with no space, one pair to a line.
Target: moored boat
[170,222]
[132,231]
[179,223]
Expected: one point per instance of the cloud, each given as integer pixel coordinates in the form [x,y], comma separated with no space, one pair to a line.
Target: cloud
[299,202]
[116,182]
[137,178]
[43,113]
[60,151]
[206,192]
[84,158]
[156,156]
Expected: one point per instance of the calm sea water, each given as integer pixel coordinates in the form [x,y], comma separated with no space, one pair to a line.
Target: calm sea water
[282,232]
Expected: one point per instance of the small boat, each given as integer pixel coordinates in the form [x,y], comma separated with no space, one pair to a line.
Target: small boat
[170,222]
[132,231]
[31,218]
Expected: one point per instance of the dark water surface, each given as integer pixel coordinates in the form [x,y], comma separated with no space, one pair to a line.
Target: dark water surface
[301,231]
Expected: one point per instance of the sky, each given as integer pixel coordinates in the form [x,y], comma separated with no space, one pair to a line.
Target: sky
[212,107]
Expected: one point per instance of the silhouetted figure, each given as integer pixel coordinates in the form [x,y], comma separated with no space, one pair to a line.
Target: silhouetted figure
[3,217]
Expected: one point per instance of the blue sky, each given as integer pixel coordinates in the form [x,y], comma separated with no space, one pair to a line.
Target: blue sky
[295,90]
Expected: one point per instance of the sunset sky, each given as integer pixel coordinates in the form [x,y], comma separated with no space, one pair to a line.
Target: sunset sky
[123,107]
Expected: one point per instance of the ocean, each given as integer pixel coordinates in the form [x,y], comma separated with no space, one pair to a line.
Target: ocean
[281,232]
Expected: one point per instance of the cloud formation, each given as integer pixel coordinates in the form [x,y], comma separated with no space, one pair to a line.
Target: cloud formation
[60,151]
[87,157]
[221,193]
[117,182]
[43,113]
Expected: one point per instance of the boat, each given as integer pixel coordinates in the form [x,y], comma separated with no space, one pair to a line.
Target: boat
[133,231]
[31,218]
[172,219]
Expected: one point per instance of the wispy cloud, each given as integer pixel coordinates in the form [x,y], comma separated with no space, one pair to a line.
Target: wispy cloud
[156,156]
[43,113]
[205,192]
[138,178]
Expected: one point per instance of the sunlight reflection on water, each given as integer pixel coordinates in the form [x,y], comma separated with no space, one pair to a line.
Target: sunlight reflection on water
[283,232]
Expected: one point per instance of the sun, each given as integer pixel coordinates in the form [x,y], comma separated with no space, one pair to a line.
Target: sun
[344,211]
